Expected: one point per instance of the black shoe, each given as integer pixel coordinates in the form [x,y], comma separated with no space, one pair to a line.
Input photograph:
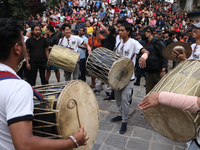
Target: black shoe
[137,83]
[118,118]
[123,128]
[109,98]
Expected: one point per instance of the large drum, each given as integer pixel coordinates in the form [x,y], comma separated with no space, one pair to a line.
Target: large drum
[170,122]
[63,58]
[66,107]
[111,68]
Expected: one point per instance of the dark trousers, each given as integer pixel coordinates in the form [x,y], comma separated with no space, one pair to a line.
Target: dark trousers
[23,72]
[151,80]
[33,73]
[140,72]
[82,67]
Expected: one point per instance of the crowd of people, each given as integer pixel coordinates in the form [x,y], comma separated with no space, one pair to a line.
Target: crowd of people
[83,26]
[136,29]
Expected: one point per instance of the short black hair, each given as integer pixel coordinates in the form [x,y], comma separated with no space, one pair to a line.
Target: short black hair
[51,28]
[128,27]
[65,25]
[83,28]
[35,25]
[10,34]
[112,29]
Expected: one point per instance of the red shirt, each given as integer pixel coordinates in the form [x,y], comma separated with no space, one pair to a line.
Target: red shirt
[116,9]
[177,30]
[52,23]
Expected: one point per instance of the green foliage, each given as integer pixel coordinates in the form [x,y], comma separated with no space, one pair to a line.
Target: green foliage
[53,3]
[20,9]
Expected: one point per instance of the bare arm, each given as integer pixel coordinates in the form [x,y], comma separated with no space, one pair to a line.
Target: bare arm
[88,47]
[104,28]
[142,60]
[23,138]
[27,60]
[153,100]
[83,47]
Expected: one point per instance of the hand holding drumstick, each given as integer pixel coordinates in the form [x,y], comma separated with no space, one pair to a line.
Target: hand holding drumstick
[176,54]
[81,137]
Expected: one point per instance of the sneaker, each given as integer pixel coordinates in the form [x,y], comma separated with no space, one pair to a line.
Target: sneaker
[123,128]
[137,83]
[97,92]
[118,118]
[109,98]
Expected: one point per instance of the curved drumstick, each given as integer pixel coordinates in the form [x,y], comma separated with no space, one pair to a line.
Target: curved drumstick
[71,104]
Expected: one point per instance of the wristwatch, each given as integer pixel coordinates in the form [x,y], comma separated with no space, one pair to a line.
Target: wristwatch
[163,69]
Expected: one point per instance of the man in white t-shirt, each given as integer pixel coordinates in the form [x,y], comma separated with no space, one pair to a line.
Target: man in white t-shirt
[128,48]
[16,104]
[72,42]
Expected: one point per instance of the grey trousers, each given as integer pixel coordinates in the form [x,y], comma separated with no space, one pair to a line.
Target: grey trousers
[75,73]
[123,98]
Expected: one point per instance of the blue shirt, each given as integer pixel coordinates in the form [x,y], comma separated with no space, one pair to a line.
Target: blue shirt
[102,14]
[80,50]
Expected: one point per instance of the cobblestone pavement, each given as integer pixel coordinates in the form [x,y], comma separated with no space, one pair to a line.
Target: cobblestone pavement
[139,135]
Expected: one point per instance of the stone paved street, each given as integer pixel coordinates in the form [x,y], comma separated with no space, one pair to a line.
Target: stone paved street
[139,135]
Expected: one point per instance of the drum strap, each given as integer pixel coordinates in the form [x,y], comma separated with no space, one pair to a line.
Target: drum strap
[117,46]
[8,75]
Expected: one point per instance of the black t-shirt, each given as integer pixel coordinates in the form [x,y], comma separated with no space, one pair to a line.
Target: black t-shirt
[109,42]
[51,41]
[37,49]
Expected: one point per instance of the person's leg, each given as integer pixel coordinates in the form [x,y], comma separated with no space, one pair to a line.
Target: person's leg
[57,73]
[193,146]
[149,82]
[139,75]
[33,73]
[93,81]
[48,74]
[67,75]
[42,68]
[76,72]
[82,67]
[126,99]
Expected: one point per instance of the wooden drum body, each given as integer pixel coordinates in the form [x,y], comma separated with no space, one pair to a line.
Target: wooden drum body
[174,123]
[111,68]
[63,58]
[67,106]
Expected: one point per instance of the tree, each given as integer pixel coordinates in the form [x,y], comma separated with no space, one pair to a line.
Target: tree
[35,6]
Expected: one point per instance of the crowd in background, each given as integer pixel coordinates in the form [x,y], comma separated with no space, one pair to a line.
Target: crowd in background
[168,21]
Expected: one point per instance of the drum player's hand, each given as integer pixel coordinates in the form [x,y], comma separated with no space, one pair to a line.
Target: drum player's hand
[149,101]
[81,137]
[142,62]
[176,54]
[48,65]
[28,66]
[162,73]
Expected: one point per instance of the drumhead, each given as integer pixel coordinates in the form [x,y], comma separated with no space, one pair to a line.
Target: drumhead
[88,111]
[170,122]
[120,73]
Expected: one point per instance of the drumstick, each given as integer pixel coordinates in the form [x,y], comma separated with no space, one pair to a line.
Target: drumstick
[71,104]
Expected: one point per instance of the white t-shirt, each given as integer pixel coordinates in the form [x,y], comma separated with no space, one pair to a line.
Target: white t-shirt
[129,50]
[196,54]
[16,105]
[117,41]
[72,43]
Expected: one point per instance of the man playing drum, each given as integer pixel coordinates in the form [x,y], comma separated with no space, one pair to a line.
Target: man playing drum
[184,102]
[72,42]
[16,104]
[128,48]
[195,47]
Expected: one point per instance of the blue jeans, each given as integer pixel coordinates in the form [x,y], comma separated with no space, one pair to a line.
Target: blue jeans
[193,146]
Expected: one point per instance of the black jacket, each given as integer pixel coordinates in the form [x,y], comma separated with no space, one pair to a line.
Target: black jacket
[155,61]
